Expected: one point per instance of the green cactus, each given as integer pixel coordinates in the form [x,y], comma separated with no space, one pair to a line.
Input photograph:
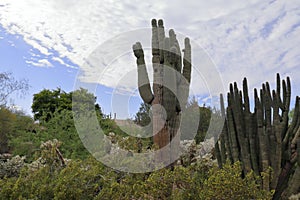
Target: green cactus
[170,81]
[263,139]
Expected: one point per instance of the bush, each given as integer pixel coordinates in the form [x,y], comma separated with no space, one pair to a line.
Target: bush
[90,179]
[11,167]
[227,183]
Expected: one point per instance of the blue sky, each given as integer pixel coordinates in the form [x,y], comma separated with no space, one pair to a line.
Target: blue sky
[14,56]
[49,42]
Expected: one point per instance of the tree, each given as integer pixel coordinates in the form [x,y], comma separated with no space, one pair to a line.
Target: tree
[196,112]
[142,117]
[11,125]
[291,115]
[47,102]
[9,85]
[6,128]
[54,109]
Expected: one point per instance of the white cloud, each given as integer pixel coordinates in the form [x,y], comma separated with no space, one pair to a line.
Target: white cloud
[256,39]
[60,61]
[40,63]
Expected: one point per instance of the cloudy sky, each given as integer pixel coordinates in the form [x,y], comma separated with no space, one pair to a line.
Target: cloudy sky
[50,43]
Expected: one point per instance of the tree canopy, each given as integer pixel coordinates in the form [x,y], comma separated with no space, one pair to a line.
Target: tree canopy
[47,102]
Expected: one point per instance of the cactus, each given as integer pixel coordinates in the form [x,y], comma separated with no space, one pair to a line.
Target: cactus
[170,82]
[263,139]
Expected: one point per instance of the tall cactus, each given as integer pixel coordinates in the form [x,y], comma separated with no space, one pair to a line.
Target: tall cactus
[263,139]
[170,82]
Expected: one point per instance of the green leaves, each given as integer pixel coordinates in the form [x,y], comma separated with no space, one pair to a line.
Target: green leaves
[227,183]
[46,102]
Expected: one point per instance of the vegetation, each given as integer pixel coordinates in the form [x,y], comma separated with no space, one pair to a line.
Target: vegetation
[8,86]
[143,118]
[257,155]
[89,179]
[45,171]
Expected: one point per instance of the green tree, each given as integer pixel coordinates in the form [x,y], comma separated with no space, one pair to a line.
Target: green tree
[12,125]
[22,139]
[47,102]
[7,119]
[291,114]
[142,117]
[193,113]
[61,126]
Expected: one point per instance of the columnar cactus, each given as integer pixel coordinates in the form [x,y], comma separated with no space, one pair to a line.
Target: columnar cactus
[263,139]
[170,82]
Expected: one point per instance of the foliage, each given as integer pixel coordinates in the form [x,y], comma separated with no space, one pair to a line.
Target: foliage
[193,112]
[142,117]
[143,120]
[60,126]
[54,109]
[11,167]
[23,139]
[108,126]
[26,136]
[7,119]
[180,183]
[227,183]
[291,115]
[47,102]
[89,179]
[51,176]
[12,125]
[81,180]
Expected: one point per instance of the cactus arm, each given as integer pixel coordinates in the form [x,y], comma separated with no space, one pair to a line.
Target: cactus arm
[143,80]
[187,60]
[286,104]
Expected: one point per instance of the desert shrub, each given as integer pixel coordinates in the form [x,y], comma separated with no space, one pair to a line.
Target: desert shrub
[11,167]
[227,183]
[90,179]
[81,180]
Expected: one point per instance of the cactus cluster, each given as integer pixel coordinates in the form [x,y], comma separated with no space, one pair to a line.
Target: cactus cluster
[263,140]
[170,81]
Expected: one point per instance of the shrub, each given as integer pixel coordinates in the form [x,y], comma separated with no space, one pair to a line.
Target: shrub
[227,183]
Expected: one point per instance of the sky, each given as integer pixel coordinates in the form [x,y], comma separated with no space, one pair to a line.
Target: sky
[53,43]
